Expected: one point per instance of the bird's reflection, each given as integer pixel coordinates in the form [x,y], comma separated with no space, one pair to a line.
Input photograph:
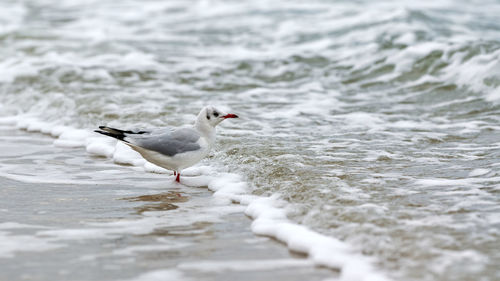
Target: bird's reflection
[159,202]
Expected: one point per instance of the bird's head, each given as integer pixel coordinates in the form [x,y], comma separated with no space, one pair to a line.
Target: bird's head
[212,116]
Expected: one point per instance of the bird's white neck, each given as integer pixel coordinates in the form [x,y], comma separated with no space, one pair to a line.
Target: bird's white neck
[206,130]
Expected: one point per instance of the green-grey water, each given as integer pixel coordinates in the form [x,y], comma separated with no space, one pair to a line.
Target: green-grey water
[377,122]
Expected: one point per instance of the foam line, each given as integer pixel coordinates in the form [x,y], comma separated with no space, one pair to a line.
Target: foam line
[268,213]
[243,265]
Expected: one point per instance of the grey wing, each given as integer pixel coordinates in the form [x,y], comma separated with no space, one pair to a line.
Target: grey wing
[169,143]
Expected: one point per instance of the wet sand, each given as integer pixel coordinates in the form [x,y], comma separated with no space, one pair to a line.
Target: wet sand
[66,215]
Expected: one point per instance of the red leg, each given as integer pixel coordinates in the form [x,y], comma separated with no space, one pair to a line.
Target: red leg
[175,173]
[178,177]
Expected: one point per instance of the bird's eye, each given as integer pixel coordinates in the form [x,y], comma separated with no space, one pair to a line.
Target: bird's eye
[216,114]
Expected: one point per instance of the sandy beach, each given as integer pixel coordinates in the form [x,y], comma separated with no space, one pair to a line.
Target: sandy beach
[126,225]
[367,145]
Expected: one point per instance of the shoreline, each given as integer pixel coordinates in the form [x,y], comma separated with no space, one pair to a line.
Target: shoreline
[127,228]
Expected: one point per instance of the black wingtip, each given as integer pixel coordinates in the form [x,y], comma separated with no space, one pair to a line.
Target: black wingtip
[113,135]
[100,132]
[120,132]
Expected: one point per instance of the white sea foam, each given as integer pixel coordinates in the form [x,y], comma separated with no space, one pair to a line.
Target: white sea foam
[161,275]
[4,172]
[479,172]
[493,95]
[16,225]
[10,244]
[100,146]
[270,220]
[269,213]
[393,100]
[72,138]
[405,59]
[161,246]
[243,265]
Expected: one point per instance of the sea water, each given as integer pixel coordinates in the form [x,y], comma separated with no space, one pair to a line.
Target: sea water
[368,137]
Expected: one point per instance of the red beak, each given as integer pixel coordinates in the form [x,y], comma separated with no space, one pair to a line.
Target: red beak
[230,116]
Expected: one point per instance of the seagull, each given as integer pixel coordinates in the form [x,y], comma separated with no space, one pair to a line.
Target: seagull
[174,148]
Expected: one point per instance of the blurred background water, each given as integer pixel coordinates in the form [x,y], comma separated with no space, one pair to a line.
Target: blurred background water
[377,120]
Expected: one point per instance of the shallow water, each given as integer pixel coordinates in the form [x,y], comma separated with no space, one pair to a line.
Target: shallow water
[68,216]
[378,122]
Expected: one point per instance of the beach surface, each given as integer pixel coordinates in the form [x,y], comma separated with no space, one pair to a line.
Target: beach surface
[66,215]
[368,139]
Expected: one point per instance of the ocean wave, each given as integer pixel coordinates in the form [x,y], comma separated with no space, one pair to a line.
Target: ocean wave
[357,113]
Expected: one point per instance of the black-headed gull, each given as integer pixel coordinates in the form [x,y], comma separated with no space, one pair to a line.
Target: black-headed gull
[174,148]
